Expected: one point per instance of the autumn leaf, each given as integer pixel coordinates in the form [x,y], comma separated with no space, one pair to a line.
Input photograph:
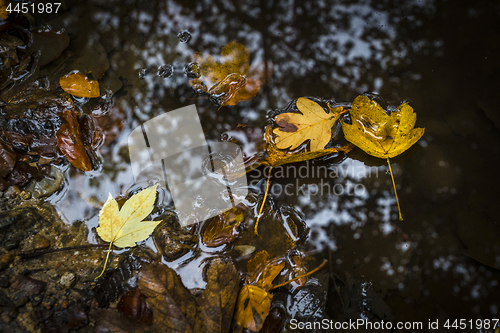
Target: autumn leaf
[223,228]
[252,307]
[230,79]
[176,309]
[382,135]
[124,227]
[312,124]
[70,141]
[379,134]
[276,156]
[79,85]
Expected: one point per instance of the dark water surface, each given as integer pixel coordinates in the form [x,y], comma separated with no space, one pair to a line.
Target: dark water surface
[442,261]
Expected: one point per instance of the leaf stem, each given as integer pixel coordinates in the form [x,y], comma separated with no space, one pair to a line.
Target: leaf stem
[106,262]
[395,192]
[263,203]
[301,276]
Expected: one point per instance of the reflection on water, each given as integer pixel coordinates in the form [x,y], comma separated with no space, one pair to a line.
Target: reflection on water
[442,261]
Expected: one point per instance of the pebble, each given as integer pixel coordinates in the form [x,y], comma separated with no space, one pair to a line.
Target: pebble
[68,279]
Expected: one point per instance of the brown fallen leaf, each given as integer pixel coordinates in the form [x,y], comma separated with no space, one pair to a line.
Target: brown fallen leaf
[223,228]
[218,300]
[133,305]
[79,85]
[175,309]
[70,141]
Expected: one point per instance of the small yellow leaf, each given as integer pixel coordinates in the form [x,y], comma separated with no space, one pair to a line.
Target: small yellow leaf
[79,85]
[313,124]
[252,307]
[379,134]
[125,227]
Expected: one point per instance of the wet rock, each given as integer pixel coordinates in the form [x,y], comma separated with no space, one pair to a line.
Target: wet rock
[12,192]
[17,224]
[28,284]
[52,273]
[68,279]
[36,242]
[6,259]
[171,239]
[49,184]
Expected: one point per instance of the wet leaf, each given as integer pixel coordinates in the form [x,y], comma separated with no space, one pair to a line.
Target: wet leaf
[70,141]
[312,124]
[223,228]
[174,307]
[230,79]
[276,156]
[124,227]
[379,134]
[29,285]
[50,43]
[134,306]
[252,307]
[218,300]
[79,85]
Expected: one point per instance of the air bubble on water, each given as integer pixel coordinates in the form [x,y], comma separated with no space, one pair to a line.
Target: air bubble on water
[192,70]
[142,73]
[165,71]
[184,36]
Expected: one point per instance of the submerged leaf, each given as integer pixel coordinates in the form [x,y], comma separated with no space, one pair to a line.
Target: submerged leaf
[252,307]
[230,79]
[223,228]
[70,141]
[79,85]
[379,134]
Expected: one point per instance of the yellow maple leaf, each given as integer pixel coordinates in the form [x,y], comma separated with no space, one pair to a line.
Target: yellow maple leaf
[379,134]
[382,135]
[312,124]
[124,227]
[79,85]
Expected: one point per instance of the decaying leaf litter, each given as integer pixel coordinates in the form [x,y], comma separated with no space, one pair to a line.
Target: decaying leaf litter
[156,299]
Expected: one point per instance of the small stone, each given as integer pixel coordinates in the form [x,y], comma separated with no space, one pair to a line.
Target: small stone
[52,273]
[25,195]
[12,192]
[68,279]
[5,260]
[40,242]
[142,73]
